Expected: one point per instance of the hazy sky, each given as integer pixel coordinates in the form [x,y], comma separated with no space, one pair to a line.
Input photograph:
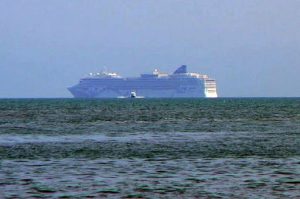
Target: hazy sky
[252,48]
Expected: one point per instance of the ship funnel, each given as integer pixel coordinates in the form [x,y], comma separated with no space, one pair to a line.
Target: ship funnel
[181,69]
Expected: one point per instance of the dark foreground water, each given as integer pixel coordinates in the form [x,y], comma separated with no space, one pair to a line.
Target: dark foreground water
[185,148]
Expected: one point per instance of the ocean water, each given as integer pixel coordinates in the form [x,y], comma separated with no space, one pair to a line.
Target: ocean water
[150,148]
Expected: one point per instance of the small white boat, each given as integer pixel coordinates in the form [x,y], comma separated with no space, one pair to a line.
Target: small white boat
[132,95]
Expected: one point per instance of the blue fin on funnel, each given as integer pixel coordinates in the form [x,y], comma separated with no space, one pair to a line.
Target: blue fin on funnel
[181,69]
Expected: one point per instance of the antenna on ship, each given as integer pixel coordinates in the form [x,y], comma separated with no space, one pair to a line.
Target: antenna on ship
[104,69]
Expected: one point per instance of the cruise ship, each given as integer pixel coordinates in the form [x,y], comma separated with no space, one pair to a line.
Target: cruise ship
[180,84]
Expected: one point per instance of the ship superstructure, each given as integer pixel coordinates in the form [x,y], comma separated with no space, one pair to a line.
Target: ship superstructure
[180,84]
